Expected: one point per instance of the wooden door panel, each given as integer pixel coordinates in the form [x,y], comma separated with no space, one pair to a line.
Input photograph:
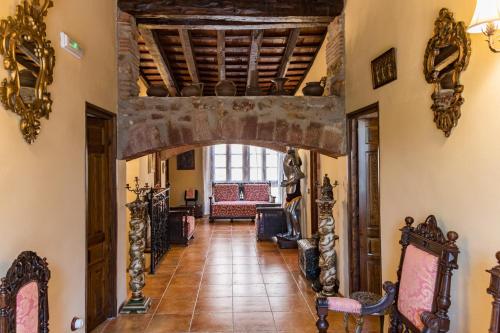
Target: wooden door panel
[369,211]
[99,222]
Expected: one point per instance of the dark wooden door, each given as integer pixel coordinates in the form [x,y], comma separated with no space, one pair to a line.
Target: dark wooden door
[369,214]
[101,219]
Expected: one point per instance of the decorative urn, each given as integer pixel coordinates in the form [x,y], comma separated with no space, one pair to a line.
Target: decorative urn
[315,88]
[225,88]
[192,90]
[279,86]
[157,91]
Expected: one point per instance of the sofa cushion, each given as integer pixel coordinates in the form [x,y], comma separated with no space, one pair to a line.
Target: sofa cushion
[226,192]
[256,192]
[235,208]
[417,285]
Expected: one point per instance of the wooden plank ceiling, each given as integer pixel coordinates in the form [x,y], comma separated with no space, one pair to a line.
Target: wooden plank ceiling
[185,42]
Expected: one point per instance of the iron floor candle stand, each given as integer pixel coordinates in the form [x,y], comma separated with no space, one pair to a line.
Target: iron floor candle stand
[138,303]
[327,238]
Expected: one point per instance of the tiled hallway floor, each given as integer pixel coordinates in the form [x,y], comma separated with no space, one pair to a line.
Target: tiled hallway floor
[225,281]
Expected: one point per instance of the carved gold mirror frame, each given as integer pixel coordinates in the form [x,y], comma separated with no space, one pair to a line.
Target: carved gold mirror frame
[446,56]
[29,60]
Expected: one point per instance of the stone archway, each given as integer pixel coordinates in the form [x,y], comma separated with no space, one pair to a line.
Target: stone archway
[152,124]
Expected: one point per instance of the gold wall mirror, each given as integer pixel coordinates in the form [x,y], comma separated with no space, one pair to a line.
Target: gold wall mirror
[446,56]
[29,60]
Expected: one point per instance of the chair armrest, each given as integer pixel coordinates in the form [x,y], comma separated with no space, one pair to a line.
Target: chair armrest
[431,322]
[384,303]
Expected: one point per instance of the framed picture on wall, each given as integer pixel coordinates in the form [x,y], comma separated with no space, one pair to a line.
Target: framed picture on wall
[384,69]
[185,161]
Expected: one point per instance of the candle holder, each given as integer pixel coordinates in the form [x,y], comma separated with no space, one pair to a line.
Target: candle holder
[327,238]
[138,303]
[139,191]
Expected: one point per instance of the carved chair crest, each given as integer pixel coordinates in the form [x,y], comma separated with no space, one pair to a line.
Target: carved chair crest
[28,268]
[29,59]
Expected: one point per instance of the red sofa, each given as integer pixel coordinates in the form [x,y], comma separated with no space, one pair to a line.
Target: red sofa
[238,200]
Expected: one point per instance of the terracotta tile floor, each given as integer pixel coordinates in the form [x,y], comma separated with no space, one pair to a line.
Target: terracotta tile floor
[225,281]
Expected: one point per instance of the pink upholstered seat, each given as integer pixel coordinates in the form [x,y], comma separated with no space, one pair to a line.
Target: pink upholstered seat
[346,305]
[226,192]
[256,192]
[235,208]
[418,284]
[27,309]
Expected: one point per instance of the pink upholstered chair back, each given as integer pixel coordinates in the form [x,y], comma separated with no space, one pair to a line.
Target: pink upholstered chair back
[27,309]
[418,284]
[190,193]
[424,278]
[24,306]
[226,192]
[256,192]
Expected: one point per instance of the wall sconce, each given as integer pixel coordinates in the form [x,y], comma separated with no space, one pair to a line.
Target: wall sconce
[486,20]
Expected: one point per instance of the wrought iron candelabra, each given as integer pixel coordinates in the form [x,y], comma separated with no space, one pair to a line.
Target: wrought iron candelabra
[138,303]
[327,238]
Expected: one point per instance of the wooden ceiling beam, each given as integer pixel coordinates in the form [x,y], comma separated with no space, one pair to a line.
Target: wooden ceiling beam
[154,25]
[287,56]
[151,40]
[187,46]
[257,36]
[237,10]
[221,54]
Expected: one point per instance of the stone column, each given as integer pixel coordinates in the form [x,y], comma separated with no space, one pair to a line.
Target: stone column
[335,58]
[327,238]
[128,56]
[138,303]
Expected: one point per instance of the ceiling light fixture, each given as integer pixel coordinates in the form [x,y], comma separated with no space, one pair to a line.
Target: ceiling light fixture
[486,20]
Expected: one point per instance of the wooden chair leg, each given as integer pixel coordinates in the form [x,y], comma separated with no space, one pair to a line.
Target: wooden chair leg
[346,322]
[382,318]
[322,311]
[360,320]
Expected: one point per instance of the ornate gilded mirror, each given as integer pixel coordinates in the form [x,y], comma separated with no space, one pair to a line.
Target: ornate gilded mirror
[446,56]
[29,60]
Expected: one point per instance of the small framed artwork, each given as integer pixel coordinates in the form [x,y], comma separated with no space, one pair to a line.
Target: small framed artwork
[185,161]
[384,69]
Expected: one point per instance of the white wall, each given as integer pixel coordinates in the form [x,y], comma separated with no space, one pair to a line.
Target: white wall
[43,196]
[422,172]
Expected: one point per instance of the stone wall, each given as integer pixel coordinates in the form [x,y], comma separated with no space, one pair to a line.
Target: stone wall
[128,56]
[335,58]
[151,123]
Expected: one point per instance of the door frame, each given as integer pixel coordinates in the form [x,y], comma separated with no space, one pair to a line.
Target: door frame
[314,179]
[110,117]
[353,190]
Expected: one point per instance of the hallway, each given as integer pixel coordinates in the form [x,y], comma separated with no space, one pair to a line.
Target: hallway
[225,281]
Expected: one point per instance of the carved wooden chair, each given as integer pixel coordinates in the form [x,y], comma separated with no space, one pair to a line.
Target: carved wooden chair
[23,296]
[421,297]
[494,290]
